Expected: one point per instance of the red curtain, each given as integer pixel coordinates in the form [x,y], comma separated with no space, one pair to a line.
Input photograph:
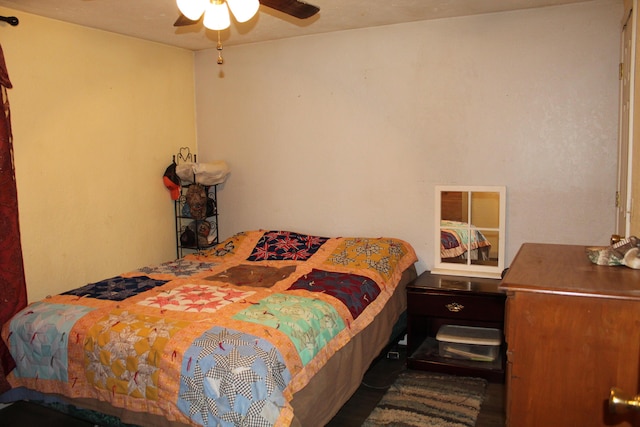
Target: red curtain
[13,289]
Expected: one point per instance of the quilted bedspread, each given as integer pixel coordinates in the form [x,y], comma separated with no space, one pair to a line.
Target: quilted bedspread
[456,238]
[224,337]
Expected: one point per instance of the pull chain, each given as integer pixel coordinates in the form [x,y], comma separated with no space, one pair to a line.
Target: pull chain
[219,47]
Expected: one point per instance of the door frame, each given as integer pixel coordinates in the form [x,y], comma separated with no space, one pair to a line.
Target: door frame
[625,136]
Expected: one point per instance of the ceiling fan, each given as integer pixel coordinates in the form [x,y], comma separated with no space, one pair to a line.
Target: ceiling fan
[296,8]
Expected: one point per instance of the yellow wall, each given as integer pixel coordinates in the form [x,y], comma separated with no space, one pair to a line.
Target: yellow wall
[96,118]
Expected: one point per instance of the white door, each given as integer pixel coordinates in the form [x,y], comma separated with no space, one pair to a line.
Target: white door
[626,82]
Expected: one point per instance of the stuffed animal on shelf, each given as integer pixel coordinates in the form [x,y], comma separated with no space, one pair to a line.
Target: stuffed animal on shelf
[197,201]
[196,234]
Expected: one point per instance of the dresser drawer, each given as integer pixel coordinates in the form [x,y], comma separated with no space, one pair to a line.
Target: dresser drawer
[488,308]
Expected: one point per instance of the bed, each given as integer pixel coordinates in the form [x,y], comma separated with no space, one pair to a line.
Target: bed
[266,328]
[462,241]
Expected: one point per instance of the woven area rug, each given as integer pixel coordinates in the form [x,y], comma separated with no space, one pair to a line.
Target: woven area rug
[427,399]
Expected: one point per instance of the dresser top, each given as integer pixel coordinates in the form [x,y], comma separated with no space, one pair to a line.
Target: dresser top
[566,269]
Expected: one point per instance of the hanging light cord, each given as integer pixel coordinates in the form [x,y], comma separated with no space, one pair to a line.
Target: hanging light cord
[219,47]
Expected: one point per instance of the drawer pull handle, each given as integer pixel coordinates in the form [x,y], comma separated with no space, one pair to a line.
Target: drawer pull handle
[454,307]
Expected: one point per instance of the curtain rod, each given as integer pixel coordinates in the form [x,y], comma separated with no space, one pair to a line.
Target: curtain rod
[12,20]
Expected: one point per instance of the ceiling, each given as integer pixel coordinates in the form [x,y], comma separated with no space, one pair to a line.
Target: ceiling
[153,19]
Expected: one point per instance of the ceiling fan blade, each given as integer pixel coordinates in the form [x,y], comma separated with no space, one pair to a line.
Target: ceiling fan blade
[183,21]
[295,8]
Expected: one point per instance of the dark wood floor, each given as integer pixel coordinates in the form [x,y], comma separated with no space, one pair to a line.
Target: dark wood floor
[353,413]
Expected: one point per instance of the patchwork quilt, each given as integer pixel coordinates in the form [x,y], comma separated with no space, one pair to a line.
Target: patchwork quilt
[458,238]
[221,338]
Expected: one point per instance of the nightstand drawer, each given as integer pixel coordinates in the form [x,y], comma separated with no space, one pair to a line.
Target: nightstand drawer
[472,307]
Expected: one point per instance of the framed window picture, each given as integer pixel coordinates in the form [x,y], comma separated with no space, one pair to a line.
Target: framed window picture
[470,230]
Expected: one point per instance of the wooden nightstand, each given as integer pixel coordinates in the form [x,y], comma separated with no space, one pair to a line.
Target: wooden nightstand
[435,300]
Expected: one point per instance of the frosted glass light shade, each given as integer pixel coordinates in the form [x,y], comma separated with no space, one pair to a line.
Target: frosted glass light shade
[216,16]
[192,9]
[243,10]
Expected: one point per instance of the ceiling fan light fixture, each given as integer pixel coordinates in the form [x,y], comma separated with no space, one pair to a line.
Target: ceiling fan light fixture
[192,9]
[216,16]
[243,10]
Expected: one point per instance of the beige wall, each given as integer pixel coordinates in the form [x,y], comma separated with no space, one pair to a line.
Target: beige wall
[341,134]
[96,117]
[348,133]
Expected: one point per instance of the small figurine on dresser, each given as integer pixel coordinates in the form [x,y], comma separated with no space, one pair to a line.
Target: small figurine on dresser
[622,252]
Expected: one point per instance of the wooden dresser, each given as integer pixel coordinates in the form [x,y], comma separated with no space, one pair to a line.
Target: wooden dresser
[573,331]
